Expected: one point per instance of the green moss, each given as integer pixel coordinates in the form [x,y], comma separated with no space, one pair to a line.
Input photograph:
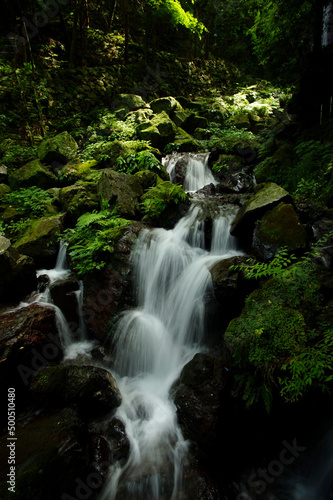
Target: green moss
[32,174]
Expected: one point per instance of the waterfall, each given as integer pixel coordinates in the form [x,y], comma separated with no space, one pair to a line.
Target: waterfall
[196,171]
[152,345]
[73,337]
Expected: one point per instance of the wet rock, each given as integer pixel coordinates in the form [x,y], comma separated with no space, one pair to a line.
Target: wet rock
[18,272]
[63,296]
[109,291]
[93,390]
[230,289]
[52,458]
[118,441]
[198,397]
[279,227]
[28,340]
[59,149]
[40,241]
[32,174]
[265,199]
[193,122]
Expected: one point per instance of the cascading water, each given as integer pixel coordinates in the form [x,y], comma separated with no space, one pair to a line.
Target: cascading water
[197,173]
[154,342]
[73,340]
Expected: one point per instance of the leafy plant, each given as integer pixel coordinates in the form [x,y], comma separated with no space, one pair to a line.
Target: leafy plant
[144,160]
[32,200]
[256,270]
[92,241]
[312,368]
[159,197]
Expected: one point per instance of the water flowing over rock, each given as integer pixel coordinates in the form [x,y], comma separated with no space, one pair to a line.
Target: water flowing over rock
[153,342]
[190,169]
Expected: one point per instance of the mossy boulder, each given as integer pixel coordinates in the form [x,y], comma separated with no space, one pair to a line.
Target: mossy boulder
[281,161]
[18,272]
[59,149]
[167,104]
[122,191]
[184,142]
[108,152]
[78,199]
[265,199]
[76,170]
[32,174]
[193,122]
[40,240]
[92,389]
[279,227]
[127,102]
[4,189]
[159,131]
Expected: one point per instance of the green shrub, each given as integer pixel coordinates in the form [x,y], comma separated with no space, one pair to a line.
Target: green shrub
[92,241]
[32,200]
[145,160]
[159,197]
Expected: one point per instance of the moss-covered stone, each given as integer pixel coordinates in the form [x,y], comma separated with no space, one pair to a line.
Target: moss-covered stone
[167,104]
[122,191]
[78,199]
[159,131]
[193,122]
[127,102]
[3,173]
[40,240]
[32,174]
[59,149]
[280,227]
[265,199]
[4,189]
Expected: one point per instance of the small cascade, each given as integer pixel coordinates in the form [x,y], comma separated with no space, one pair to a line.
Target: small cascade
[191,169]
[73,337]
[152,345]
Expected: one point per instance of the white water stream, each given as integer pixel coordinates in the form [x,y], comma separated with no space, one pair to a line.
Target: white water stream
[197,173]
[154,342]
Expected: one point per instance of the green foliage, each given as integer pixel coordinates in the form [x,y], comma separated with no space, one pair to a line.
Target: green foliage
[92,241]
[16,155]
[311,369]
[273,332]
[158,198]
[228,138]
[32,200]
[144,160]
[257,270]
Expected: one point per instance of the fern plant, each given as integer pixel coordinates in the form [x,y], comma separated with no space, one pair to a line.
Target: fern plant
[92,241]
[158,198]
[33,200]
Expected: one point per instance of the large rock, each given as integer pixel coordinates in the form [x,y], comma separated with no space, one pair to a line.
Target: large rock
[122,191]
[198,398]
[18,272]
[279,227]
[32,174]
[40,241]
[78,199]
[55,458]
[59,149]
[167,104]
[160,130]
[127,102]
[29,340]
[4,189]
[265,199]
[64,295]
[92,389]
[109,291]
[193,122]
[230,289]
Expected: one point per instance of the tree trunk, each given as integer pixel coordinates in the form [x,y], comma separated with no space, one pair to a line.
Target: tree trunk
[73,51]
[113,5]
